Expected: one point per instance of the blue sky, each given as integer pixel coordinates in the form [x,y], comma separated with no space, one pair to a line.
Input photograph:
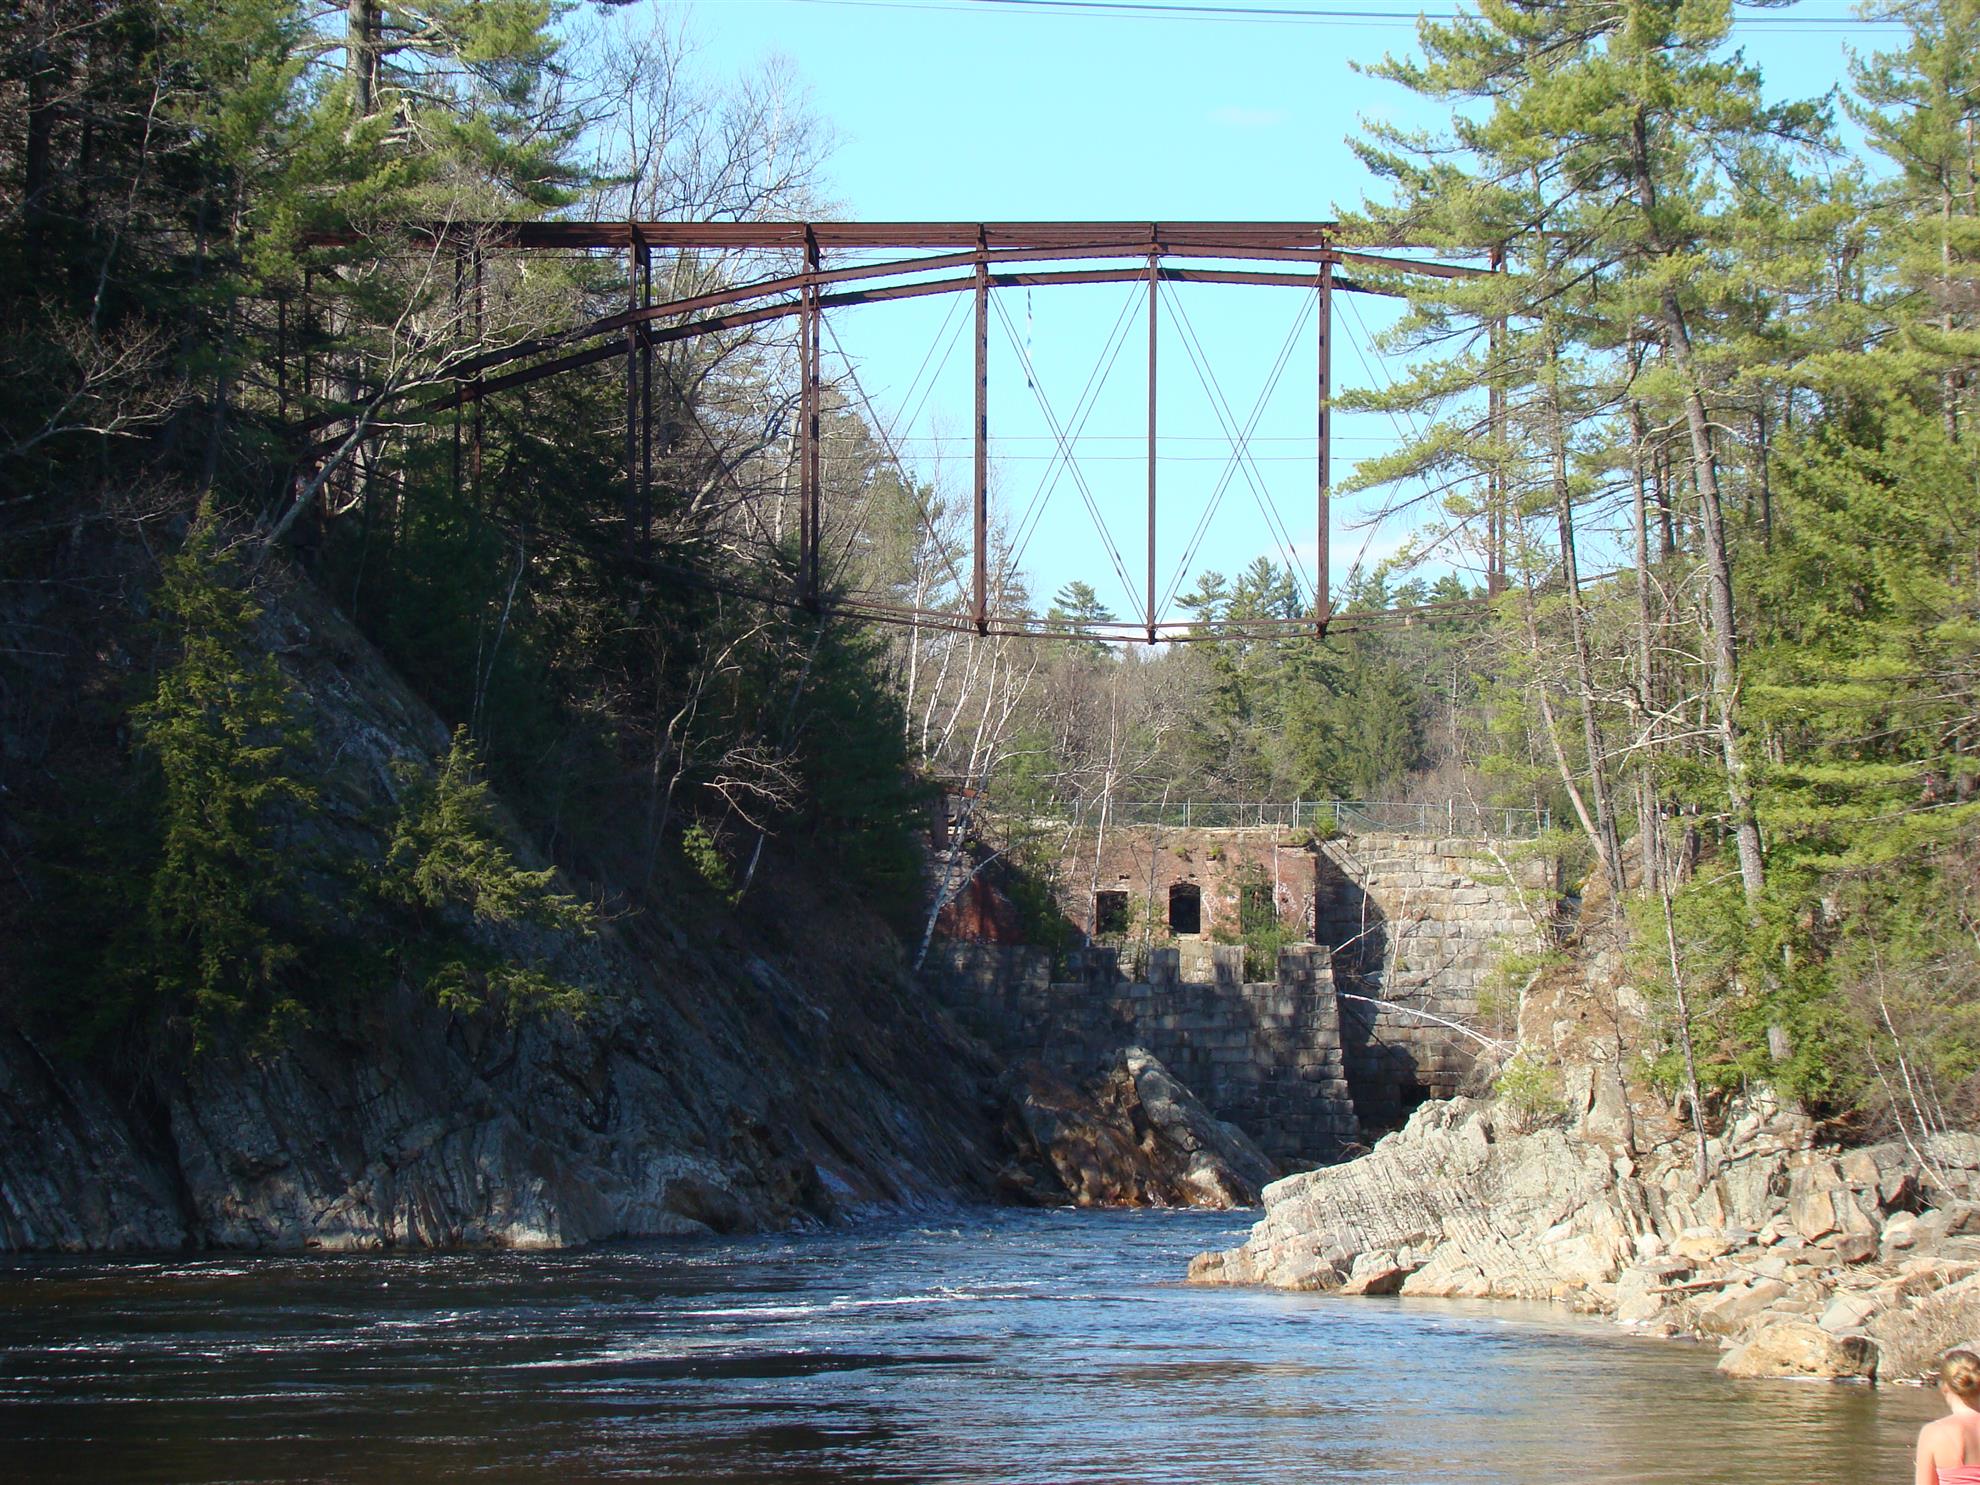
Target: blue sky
[964,110]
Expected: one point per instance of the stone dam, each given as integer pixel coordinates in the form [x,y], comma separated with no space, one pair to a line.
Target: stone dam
[1346,1039]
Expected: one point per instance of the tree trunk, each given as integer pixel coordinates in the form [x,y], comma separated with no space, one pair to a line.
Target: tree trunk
[1603,834]
[361,54]
[1712,535]
[1649,817]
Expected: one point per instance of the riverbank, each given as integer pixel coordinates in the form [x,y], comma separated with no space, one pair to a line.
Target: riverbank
[1798,1260]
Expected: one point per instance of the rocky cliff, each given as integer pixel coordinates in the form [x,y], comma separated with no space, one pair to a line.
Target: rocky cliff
[1799,1260]
[723,1075]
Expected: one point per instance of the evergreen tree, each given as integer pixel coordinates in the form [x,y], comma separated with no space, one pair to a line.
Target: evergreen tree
[221,731]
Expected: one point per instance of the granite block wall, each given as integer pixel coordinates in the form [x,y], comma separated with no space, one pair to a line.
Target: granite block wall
[1418,923]
[1266,1056]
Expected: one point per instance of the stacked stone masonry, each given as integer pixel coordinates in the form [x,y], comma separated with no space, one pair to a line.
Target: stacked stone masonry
[1419,924]
[1263,1056]
[1309,1063]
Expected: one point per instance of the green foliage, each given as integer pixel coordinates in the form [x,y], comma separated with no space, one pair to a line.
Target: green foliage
[708,862]
[1530,1087]
[1259,927]
[863,802]
[460,887]
[1077,609]
[1028,883]
[1509,973]
[221,731]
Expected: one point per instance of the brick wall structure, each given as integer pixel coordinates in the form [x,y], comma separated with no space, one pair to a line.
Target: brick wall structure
[1310,1061]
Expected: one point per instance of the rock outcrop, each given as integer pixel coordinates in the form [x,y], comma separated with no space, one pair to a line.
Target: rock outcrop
[1798,1260]
[1131,1136]
[722,1077]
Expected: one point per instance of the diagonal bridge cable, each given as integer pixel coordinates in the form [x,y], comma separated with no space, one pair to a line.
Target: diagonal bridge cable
[1072,464]
[1230,468]
[908,485]
[1259,486]
[1082,414]
[1240,447]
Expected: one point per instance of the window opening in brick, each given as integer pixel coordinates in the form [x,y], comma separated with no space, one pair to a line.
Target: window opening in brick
[1110,912]
[1185,908]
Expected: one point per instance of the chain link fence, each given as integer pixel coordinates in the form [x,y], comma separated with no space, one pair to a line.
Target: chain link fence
[1328,817]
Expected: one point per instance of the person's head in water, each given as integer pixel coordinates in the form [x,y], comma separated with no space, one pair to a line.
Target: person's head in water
[1959,1375]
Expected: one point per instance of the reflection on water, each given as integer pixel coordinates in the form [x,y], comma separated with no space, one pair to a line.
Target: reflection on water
[990,1346]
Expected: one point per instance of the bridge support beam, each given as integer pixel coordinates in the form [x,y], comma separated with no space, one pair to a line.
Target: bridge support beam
[1154,288]
[630,512]
[980,546]
[810,465]
[1323,603]
[1495,478]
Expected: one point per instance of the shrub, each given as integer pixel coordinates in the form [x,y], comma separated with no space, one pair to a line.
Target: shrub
[446,863]
[1529,1088]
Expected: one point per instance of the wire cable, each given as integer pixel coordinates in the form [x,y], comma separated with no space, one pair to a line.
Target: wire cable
[1199,358]
[1089,399]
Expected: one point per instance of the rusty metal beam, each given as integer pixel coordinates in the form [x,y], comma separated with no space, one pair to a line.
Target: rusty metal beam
[1154,290]
[740,319]
[631,511]
[646,409]
[797,282]
[840,236]
[762,314]
[980,539]
[811,466]
[1323,557]
[480,326]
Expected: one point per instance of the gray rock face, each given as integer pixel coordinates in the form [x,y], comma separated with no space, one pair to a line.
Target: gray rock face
[1519,1218]
[1799,1261]
[1133,1136]
[707,1087]
[410,1127]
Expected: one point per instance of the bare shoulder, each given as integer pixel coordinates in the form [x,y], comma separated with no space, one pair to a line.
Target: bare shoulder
[1944,1432]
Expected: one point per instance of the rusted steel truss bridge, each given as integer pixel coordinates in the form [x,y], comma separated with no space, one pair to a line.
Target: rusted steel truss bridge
[816,267]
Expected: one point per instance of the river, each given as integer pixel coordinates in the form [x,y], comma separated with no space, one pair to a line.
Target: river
[979,1346]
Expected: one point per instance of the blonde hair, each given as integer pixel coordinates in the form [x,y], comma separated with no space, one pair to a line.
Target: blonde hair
[1959,1373]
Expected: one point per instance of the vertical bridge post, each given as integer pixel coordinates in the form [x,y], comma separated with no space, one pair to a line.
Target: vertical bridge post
[645,403]
[475,266]
[1323,603]
[631,509]
[980,570]
[1154,287]
[809,464]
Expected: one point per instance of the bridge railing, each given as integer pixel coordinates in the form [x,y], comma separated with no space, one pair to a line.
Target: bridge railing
[1329,816]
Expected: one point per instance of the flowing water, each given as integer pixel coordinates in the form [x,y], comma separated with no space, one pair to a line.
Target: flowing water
[983,1346]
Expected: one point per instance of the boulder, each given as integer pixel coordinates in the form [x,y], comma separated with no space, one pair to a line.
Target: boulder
[1798,1349]
[1528,1215]
[1853,1247]
[1812,1210]
[1643,1292]
[1847,1312]
[1701,1244]
[1132,1136]
[1728,1313]
[1378,1273]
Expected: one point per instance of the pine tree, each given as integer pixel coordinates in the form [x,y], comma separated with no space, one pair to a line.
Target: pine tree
[220,728]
